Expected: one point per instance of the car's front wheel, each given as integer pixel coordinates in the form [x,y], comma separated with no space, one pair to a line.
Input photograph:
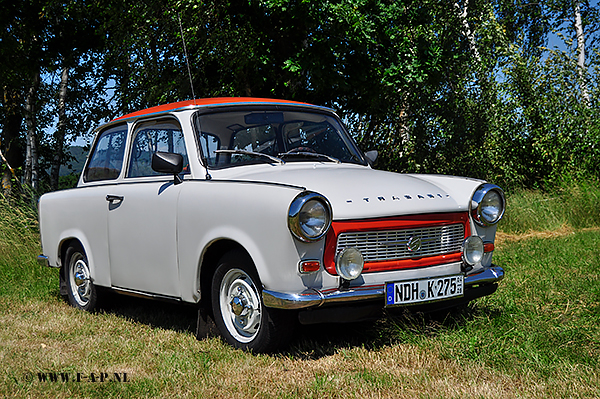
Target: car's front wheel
[239,313]
[81,291]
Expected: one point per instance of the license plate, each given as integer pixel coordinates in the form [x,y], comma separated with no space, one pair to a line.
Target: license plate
[423,290]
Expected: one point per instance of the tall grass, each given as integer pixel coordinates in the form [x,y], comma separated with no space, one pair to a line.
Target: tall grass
[20,275]
[575,206]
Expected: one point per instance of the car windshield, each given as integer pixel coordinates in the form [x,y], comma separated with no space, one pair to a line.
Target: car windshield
[243,137]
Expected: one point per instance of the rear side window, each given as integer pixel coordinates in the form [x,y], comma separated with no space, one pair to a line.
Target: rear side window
[106,160]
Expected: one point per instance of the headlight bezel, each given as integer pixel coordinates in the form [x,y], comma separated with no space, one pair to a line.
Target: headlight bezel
[478,204]
[299,203]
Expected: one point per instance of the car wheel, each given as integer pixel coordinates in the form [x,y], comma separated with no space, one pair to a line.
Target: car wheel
[81,291]
[239,313]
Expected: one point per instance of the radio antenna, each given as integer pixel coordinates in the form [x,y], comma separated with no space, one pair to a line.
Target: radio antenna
[187,60]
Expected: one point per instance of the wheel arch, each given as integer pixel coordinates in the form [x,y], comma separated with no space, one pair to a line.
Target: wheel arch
[209,263]
[100,274]
[64,245]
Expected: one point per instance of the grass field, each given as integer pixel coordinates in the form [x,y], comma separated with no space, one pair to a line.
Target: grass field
[538,336]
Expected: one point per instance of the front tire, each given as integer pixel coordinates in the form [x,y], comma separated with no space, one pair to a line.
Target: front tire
[239,313]
[81,291]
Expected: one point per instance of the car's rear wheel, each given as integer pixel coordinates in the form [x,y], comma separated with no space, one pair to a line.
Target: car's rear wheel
[81,291]
[239,313]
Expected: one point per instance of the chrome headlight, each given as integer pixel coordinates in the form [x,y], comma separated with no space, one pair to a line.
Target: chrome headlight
[488,204]
[309,216]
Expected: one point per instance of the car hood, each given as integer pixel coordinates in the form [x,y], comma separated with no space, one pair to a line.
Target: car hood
[361,192]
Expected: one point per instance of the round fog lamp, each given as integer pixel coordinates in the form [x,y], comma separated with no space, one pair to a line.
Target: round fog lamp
[349,263]
[472,250]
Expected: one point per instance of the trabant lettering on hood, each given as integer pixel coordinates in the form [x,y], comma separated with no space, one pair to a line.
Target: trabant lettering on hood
[361,192]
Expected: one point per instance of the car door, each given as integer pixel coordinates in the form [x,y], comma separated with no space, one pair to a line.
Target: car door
[142,219]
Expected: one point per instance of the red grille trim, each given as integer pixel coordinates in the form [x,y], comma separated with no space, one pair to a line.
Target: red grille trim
[396,223]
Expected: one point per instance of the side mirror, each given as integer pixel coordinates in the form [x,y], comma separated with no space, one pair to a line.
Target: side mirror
[371,156]
[167,162]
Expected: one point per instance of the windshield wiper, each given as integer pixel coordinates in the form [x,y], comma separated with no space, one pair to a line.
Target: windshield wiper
[308,154]
[251,153]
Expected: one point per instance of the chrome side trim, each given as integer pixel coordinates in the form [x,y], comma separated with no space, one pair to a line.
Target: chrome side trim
[44,261]
[316,298]
[142,294]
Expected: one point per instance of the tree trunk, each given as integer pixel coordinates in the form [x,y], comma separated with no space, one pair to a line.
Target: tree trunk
[462,14]
[31,153]
[581,55]
[59,135]
[9,140]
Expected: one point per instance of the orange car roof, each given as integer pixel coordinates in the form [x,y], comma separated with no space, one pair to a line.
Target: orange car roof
[202,102]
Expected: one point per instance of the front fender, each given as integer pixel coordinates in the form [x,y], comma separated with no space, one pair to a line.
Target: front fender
[253,215]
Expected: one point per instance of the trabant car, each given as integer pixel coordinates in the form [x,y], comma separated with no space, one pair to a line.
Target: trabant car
[264,213]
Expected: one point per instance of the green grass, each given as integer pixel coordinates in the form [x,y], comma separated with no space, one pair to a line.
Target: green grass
[538,336]
[576,206]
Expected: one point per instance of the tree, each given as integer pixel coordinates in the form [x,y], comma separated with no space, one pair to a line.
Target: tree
[462,87]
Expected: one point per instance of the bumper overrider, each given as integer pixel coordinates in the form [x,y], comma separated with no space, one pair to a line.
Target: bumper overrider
[315,298]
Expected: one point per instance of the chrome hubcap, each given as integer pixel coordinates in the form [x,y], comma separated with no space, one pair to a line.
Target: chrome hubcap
[80,280]
[240,305]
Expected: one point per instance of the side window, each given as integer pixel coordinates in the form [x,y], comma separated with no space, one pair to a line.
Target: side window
[107,156]
[164,136]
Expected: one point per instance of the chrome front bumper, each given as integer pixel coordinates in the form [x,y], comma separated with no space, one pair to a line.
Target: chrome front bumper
[315,298]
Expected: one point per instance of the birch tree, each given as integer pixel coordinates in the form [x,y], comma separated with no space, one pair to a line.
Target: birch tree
[463,13]
[59,134]
[31,158]
[581,68]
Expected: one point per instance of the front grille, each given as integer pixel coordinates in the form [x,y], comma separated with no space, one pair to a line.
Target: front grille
[388,245]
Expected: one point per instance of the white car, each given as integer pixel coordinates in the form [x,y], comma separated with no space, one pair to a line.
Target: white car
[264,213]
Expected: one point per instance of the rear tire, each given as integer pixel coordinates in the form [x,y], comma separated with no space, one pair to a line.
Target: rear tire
[81,291]
[239,313]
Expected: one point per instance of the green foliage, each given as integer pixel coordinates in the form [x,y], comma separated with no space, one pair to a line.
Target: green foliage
[68,181]
[462,88]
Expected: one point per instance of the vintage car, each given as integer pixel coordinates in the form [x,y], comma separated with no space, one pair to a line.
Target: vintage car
[263,213]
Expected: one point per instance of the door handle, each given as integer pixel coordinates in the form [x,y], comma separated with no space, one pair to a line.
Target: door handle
[112,198]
